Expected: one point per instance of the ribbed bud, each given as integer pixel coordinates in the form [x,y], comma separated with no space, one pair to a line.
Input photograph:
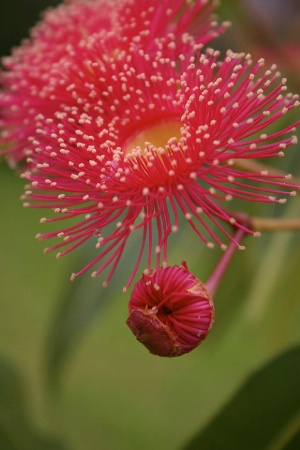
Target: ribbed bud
[170,311]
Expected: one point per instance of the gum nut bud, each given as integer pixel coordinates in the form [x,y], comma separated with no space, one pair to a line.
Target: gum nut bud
[170,311]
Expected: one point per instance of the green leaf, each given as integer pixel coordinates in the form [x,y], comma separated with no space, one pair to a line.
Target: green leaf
[294,443]
[79,306]
[81,303]
[16,430]
[263,415]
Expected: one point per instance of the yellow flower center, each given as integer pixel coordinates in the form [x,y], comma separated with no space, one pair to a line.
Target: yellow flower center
[156,136]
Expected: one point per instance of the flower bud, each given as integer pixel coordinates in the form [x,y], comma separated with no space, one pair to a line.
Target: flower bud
[170,311]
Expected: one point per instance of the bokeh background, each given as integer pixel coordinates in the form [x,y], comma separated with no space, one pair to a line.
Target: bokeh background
[84,377]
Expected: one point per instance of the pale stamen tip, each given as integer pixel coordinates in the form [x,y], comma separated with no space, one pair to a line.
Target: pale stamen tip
[73,276]
[241,247]
[257,234]
[227,24]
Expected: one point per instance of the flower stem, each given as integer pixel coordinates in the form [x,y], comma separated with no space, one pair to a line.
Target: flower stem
[215,278]
[271,224]
[255,166]
[255,223]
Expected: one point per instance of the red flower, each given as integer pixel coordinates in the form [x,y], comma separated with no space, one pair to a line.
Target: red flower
[52,67]
[170,311]
[169,140]
[32,80]
[127,125]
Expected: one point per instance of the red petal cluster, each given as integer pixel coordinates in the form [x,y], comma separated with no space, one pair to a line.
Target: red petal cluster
[63,47]
[128,125]
[170,311]
[81,167]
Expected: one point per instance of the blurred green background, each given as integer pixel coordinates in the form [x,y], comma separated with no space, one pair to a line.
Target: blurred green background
[112,393]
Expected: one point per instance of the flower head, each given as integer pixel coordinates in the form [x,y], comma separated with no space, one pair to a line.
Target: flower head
[130,126]
[170,311]
[172,138]
[58,64]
